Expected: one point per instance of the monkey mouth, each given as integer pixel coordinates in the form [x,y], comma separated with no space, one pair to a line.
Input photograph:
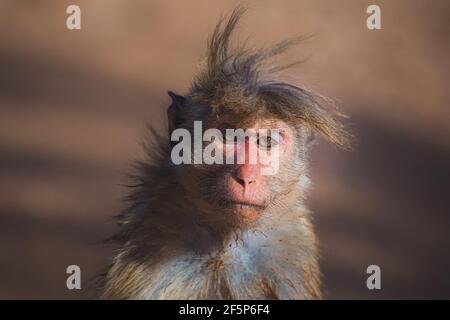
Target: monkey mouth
[244,204]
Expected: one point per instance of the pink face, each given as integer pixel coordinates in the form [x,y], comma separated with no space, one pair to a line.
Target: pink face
[248,184]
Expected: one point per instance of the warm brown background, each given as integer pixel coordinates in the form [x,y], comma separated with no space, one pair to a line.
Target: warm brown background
[73,107]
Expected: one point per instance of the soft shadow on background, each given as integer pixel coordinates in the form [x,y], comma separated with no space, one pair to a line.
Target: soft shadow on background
[74,104]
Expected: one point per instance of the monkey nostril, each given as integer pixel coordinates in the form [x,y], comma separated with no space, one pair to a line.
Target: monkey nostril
[239,180]
[243,182]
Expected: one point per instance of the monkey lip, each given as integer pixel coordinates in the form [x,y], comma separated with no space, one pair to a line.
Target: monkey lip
[244,204]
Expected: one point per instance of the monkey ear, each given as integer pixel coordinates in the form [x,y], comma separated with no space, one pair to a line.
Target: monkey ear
[176,111]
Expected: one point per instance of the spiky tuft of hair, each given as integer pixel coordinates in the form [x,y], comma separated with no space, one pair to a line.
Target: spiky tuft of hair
[242,81]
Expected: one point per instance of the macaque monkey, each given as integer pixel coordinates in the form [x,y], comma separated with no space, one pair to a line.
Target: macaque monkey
[226,231]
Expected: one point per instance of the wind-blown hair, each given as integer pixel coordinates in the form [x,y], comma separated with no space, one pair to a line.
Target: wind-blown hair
[241,81]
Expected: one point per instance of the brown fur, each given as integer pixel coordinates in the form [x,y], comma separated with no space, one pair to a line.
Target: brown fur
[173,244]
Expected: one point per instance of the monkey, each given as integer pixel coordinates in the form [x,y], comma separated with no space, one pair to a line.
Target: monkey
[225,231]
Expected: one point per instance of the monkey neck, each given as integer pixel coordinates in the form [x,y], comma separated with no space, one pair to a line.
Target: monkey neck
[275,259]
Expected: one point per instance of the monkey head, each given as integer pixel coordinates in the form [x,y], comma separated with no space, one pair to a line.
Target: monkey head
[236,90]
[261,158]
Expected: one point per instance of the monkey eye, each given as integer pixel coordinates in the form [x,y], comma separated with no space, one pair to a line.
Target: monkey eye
[229,137]
[267,141]
[228,132]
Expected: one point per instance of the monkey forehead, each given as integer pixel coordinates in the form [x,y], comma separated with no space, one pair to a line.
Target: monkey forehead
[257,123]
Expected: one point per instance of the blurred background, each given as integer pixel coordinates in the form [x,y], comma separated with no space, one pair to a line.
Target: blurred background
[74,105]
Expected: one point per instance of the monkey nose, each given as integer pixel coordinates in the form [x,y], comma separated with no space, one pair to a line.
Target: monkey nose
[246,174]
[243,182]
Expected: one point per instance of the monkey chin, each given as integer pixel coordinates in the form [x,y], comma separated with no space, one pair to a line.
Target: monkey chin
[246,214]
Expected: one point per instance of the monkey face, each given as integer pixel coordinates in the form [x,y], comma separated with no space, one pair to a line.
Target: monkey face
[258,169]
